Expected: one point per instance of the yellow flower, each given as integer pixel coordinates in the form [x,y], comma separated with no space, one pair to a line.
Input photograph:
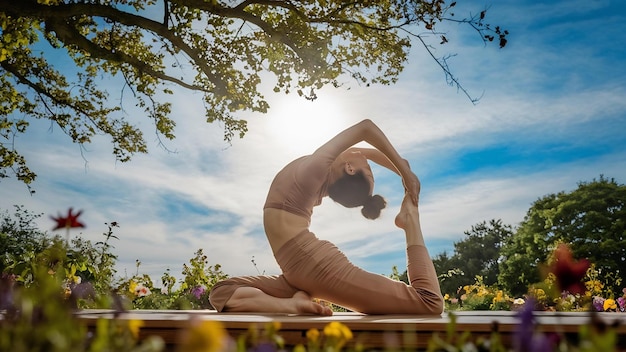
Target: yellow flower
[275,325]
[299,348]
[540,294]
[609,304]
[132,286]
[204,336]
[337,330]
[134,326]
[446,297]
[67,292]
[312,335]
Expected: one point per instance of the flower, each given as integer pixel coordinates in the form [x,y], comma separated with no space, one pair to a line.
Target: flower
[205,336]
[141,290]
[518,301]
[568,272]
[134,325]
[336,335]
[598,303]
[609,305]
[621,302]
[132,286]
[525,338]
[312,335]
[198,291]
[70,221]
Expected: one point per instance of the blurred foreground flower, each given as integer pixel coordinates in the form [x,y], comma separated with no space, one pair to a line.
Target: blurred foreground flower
[68,222]
[526,337]
[204,336]
[336,334]
[567,271]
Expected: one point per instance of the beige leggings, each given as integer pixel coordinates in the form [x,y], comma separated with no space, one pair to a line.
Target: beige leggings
[319,268]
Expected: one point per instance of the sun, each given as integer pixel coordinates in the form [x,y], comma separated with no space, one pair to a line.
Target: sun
[301,126]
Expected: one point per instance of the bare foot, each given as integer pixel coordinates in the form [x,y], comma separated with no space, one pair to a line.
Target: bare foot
[305,305]
[407,209]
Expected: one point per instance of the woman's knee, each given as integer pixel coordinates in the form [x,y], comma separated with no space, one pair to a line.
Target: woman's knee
[221,293]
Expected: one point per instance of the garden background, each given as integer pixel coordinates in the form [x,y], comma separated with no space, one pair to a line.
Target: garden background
[551,114]
[537,159]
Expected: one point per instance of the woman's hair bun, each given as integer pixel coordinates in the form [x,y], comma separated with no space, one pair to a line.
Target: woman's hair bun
[373,206]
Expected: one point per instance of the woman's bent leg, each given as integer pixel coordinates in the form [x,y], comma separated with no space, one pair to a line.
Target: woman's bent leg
[275,285]
[262,294]
[322,270]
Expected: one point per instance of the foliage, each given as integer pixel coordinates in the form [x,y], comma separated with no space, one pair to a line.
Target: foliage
[19,237]
[591,219]
[37,314]
[193,293]
[40,318]
[478,254]
[81,263]
[216,48]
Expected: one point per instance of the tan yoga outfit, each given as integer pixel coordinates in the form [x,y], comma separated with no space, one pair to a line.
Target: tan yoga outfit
[319,268]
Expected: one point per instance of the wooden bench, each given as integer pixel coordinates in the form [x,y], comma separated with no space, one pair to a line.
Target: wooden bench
[372,331]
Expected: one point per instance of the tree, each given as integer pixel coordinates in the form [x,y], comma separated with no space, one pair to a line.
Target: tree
[591,219]
[217,48]
[19,237]
[478,254]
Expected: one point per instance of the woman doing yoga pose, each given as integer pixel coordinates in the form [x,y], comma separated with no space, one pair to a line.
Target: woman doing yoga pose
[316,268]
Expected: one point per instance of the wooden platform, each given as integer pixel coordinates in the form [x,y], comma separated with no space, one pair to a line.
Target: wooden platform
[372,331]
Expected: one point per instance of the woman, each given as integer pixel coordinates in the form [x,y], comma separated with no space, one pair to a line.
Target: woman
[316,268]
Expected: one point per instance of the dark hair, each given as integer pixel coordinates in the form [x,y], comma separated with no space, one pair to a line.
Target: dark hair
[353,191]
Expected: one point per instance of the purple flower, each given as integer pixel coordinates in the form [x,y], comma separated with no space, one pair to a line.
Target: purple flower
[7,284]
[265,347]
[525,338]
[523,334]
[621,303]
[198,291]
[598,303]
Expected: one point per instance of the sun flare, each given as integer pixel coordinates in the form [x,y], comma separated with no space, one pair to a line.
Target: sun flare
[302,126]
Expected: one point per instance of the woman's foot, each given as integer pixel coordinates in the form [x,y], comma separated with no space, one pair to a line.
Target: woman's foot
[304,305]
[407,211]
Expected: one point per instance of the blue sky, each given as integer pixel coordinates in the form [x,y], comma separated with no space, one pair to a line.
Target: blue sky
[552,114]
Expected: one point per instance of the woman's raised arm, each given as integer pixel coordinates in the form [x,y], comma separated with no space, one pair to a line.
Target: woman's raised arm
[367,131]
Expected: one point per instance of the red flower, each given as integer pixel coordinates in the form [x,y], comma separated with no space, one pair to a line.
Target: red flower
[568,272]
[68,222]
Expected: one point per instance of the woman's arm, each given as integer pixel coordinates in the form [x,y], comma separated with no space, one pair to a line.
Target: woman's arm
[376,156]
[367,131]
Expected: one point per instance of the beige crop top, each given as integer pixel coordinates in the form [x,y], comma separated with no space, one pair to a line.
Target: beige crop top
[300,185]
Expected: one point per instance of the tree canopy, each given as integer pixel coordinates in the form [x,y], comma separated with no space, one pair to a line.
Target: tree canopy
[591,219]
[217,48]
[478,254]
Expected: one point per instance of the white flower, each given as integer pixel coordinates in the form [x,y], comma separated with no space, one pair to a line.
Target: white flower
[519,301]
[141,290]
